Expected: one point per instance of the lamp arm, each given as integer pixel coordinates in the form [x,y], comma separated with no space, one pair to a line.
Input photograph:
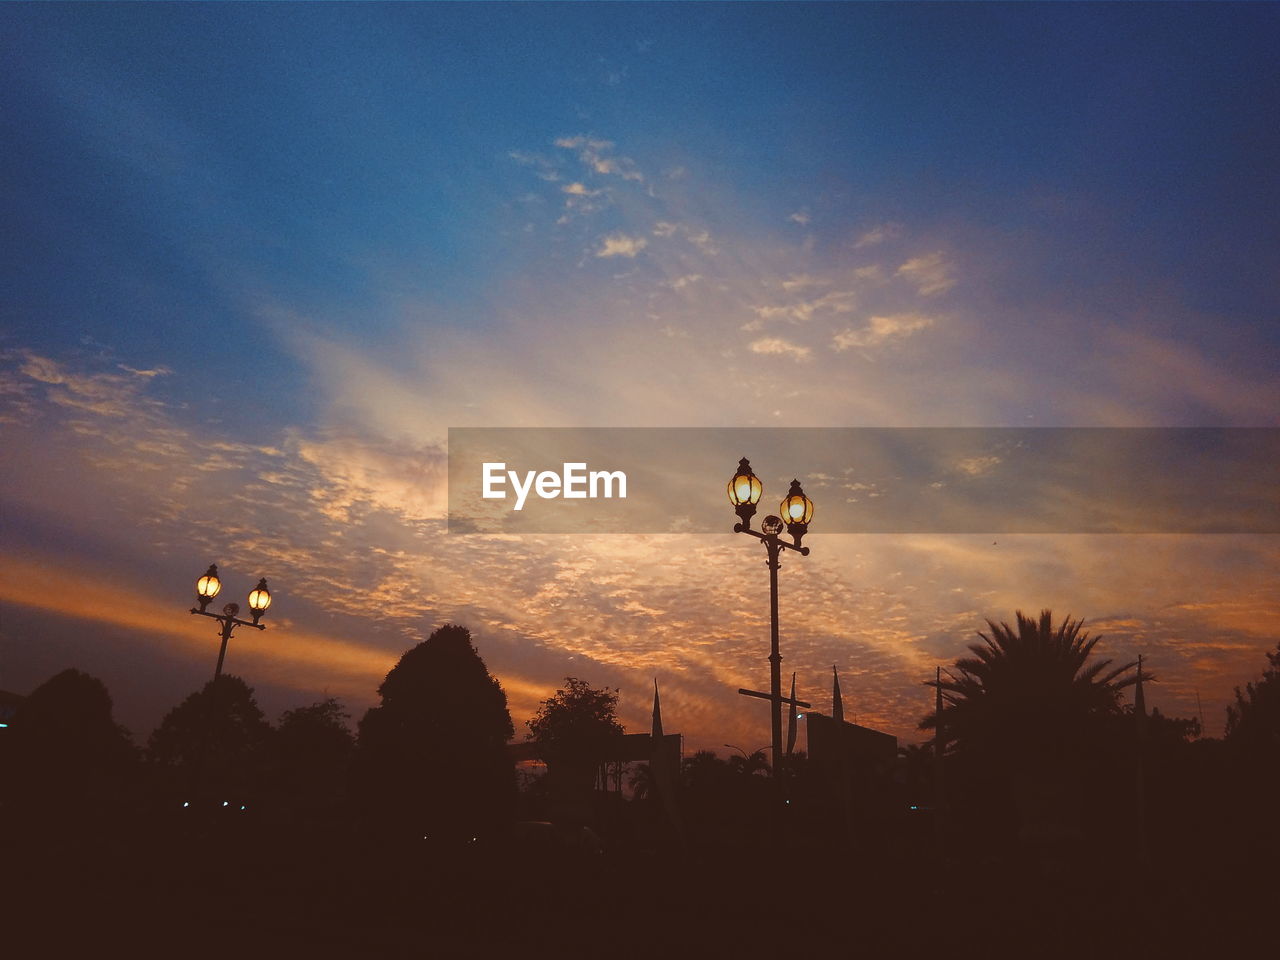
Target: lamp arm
[739,528]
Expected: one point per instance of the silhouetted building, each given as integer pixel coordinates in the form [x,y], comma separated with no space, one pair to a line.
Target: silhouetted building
[852,767]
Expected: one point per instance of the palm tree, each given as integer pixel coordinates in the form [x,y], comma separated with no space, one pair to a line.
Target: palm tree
[1029,688]
[1024,709]
[749,764]
[702,770]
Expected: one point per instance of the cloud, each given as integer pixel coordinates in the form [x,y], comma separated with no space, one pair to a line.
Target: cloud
[976,466]
[579,190]
[103,393]
[679,283]
[362,470]
[700,237]
[837,301]
[702,240]
[931,274]
[594,153]
[879,330]
[621,245]
[148,374]
[879,234]
[801,217]
[799,281]
[543,166]
[779,346]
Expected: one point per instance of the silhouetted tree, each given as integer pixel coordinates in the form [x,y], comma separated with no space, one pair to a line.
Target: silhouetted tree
[703,771]
[1022,714]
[755,764]
[66,751]
[432,758]
[312,749]
[1253,721]
[577,720]
[1165,733]
[215,741]
[1028,689]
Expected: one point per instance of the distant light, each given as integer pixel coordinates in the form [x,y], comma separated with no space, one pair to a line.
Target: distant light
[788,801]
[186,803]
[799,716]
[242,806]
[4,725]
[913,807]
[224,803]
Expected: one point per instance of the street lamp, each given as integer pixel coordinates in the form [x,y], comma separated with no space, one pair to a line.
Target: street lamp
[208,587]
[797,509]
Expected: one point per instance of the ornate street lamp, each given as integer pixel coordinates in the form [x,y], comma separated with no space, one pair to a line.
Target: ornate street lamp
[208,587]
[744,492]
[797,510]
[259,600]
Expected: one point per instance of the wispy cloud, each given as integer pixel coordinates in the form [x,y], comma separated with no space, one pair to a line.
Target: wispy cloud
[878,330]
[777,346]
[802,311]
[597,155]
[931,274]
[878,235]
[103,393]
[621,245]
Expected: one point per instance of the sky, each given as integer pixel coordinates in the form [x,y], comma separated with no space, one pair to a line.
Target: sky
[259,258]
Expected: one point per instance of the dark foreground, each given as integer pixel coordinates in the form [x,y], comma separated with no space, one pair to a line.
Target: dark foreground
[252,890]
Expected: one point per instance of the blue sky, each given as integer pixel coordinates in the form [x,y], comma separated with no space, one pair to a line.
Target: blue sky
[260,257]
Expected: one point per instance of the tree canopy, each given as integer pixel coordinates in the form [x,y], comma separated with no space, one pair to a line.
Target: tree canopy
[65,745]
[1253,721]
[432,755]
[217,734]
[313,748]
[578,719]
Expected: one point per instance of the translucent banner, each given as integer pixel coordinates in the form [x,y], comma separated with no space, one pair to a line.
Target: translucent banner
[868,480]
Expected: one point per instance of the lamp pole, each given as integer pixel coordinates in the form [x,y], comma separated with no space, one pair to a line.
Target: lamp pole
[744,493]
[207,587]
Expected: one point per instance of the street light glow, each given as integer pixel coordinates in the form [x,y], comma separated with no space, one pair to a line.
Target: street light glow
[744,492]
[207,587]
[797,508]
[260,596]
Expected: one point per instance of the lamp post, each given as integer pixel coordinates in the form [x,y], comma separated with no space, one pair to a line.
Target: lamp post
[797,509]
[208,587]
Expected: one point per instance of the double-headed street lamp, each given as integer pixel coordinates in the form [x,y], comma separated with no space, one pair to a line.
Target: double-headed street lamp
[208,587]
[797,510]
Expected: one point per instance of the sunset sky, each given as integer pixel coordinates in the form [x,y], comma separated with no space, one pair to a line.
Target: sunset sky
[258,259]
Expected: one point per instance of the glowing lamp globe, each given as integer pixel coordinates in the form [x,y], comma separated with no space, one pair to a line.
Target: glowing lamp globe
[797,511]
[259,599]
[744,492]
[207,587]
